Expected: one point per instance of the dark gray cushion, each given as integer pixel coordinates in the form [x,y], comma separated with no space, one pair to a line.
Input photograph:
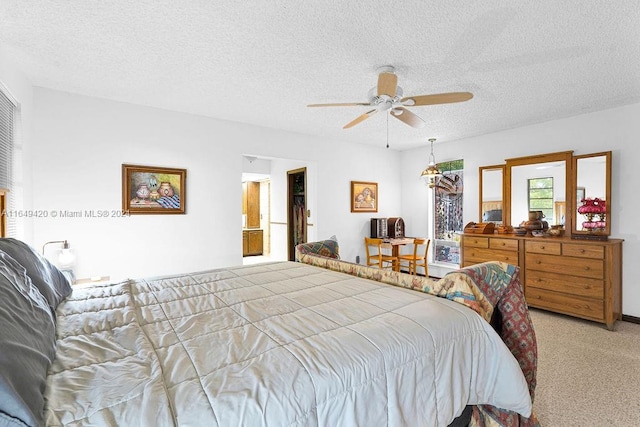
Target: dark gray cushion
[27,346]
[45,276]
[492,215]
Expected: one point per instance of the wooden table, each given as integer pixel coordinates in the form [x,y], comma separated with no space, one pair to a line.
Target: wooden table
[395,248]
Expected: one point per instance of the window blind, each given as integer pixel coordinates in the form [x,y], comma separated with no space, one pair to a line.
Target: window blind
[8,109]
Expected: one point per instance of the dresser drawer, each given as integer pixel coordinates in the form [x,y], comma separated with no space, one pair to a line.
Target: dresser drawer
[571,266]
[475,242]
[477,255]
[503,244]
[583,251]
[543,246]
[580,286]
[562,303]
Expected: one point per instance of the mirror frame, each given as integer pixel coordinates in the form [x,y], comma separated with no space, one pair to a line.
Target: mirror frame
[574,186]
[481,169]
[566,156]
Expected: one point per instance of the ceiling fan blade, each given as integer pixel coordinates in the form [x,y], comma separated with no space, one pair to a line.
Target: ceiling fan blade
[387,84]
[408,117]
[343,104]
[438,98]
[359,119]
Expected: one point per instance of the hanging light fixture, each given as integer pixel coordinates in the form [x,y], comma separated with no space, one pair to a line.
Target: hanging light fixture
[431,172]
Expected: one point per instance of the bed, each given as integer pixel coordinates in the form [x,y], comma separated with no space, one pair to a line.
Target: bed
[286,343]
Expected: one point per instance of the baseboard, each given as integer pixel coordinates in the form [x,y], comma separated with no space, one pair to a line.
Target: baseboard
[631,319]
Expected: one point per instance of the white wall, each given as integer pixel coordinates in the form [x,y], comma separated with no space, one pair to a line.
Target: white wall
[616,129]
[80,143]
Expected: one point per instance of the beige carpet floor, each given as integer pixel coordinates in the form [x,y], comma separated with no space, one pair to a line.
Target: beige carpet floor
[587,375]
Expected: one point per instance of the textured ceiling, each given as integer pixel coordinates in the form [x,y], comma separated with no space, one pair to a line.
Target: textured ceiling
[262,62]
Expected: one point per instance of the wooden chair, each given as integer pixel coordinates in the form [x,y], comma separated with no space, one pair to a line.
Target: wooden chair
[417,258]
[376,256]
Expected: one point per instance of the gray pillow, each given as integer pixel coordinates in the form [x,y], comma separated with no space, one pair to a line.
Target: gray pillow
[45,276]
[27,346]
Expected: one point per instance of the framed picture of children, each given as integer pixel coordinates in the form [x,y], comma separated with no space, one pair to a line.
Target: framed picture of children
[153,190]
[364,196]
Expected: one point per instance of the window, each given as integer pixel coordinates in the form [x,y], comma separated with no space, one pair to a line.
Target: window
[8,112]
[447,213]
[541,195]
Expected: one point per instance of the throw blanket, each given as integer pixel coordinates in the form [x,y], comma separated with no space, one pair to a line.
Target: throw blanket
[485,288]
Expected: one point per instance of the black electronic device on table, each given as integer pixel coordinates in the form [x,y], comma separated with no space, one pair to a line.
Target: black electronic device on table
[379,228]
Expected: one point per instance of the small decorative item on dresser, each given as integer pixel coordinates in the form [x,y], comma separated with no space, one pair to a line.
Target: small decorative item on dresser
[504,229]
[536,215]
[595,211]
[556,231]
[480,228]
[519,231]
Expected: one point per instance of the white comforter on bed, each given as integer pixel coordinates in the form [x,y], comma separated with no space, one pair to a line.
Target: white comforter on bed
[275,344]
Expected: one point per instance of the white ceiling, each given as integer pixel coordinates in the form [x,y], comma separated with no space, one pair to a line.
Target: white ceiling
[262,62]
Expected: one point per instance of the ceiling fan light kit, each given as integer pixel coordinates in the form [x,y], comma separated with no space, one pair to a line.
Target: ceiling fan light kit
[387,97]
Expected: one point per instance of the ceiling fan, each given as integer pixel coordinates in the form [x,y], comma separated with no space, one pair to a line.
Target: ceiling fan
[387,97]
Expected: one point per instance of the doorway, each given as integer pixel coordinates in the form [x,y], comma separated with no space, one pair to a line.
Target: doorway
[256,235]
[296,209]
[273,175]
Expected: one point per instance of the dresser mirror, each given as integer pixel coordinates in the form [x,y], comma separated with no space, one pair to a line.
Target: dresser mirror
[491,193]
[592,186]
[539,183]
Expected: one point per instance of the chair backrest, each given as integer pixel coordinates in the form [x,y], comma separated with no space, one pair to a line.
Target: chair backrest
[369,243]
[420,242]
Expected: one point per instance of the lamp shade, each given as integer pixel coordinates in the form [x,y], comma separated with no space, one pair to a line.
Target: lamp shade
[65,259]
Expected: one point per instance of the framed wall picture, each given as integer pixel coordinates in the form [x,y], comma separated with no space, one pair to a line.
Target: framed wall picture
[153,190]
[580,194]
[364,196]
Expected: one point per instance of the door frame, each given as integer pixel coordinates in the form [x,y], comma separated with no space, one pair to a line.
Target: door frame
[291,241]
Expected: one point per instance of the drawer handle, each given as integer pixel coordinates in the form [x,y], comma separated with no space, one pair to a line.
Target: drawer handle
[542,247]
[538,262]
[581,251]
[587,268]
[504,244]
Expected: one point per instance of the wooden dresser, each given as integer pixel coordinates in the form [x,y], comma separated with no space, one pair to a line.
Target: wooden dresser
[481,248]
[581,278]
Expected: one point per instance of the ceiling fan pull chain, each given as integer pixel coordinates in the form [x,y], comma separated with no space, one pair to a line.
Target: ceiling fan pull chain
[388,129]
